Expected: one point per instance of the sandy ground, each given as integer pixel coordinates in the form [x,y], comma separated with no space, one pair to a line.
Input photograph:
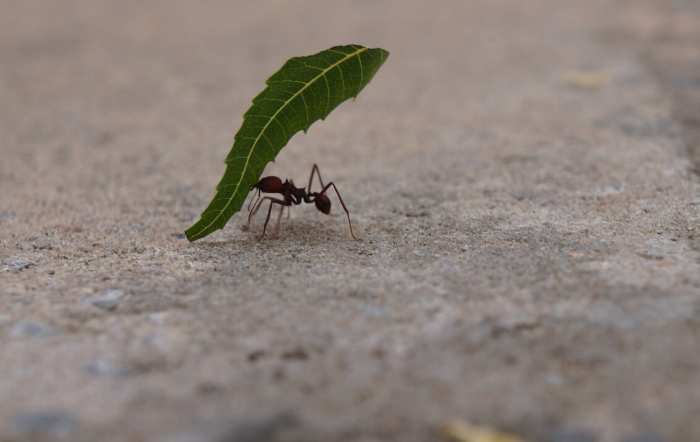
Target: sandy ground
[521,174]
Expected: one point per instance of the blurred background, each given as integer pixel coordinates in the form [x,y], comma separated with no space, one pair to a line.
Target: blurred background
[523,175]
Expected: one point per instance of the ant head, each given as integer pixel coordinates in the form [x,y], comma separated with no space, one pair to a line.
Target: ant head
[323,203]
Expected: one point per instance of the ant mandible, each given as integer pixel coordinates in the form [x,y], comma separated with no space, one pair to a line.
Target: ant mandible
[292,195]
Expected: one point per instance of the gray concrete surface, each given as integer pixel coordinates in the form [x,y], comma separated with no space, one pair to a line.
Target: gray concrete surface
[520,173]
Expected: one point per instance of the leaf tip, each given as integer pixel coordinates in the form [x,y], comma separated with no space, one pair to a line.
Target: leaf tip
[196,232]
[190,235]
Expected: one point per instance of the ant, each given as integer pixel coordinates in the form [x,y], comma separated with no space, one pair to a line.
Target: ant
[292,195]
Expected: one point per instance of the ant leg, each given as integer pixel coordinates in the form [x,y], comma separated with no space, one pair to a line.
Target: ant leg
[269,212]
[255,198]
[256,207]
[252,203]
[314,169]
[279,217]
[347,212]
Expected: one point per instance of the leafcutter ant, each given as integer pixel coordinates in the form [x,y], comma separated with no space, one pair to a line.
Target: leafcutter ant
[292,195]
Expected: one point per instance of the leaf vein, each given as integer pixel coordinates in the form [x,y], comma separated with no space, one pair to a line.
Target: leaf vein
[313,67]
[342,80]
[286,134]
[271,99]
[306,109]
[359,60]
[285,81]
[328,96]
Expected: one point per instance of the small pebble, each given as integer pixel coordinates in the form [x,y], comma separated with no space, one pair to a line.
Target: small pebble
[256,355]
[375,311]
[31,329]
[266,429]
[645,437]
[297,353]
[103,367]
[158,317]
[17,265]
[107,301]
[208,388]
[554,379]
[461,431]
[573,436]
[50,422]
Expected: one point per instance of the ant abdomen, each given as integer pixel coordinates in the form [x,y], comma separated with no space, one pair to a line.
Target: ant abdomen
[270,184]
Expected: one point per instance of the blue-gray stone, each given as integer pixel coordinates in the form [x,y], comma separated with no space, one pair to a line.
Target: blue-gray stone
[49,422]
[17,264]
[574,435]
[103,367]
[645,437]
[31,329]
[107,301]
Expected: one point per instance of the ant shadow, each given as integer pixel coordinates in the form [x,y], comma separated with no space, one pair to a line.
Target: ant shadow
[306,232]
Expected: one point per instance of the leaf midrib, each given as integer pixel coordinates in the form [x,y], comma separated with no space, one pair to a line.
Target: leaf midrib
[264,128]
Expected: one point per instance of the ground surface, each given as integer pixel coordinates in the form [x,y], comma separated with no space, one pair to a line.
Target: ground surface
[521,174]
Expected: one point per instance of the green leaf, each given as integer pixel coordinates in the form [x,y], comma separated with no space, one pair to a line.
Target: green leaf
[303,91]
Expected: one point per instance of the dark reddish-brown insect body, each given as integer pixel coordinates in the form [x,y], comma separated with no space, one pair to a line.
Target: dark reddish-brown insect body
[292,195]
